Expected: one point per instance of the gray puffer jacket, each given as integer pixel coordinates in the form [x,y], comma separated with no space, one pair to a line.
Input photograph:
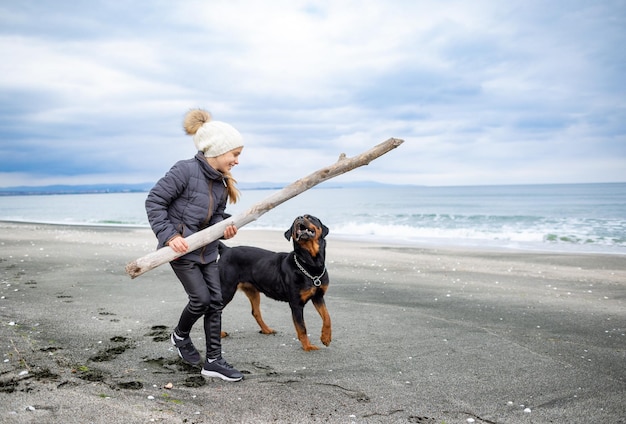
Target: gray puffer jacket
[189,198]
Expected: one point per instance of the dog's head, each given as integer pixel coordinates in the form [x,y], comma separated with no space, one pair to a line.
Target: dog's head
[308,232]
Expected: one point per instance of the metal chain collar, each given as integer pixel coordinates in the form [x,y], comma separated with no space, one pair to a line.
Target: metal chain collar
[317,281]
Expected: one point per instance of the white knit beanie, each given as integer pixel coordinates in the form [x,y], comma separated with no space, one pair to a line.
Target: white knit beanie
[213,138]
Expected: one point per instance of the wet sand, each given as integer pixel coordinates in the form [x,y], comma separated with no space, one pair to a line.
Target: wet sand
[420,335]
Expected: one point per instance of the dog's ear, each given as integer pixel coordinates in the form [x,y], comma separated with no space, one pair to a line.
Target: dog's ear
[322,226]
[324,230]
[288,234]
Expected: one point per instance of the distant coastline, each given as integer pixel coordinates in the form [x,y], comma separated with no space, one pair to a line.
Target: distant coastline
[85,189]
[145,187]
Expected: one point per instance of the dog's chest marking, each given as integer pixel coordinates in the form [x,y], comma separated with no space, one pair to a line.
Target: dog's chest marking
[312,247]
[307,294]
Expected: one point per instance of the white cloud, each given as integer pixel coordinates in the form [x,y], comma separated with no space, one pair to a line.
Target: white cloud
[482,92]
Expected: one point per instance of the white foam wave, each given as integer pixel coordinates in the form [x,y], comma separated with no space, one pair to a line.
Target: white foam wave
[409,233]
[509,237]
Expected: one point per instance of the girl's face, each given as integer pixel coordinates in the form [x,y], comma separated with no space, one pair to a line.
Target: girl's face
[225,162]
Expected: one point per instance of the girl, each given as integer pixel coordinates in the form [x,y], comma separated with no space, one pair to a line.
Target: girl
[190,197]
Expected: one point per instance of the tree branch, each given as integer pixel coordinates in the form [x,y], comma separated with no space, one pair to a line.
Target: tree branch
[214,232]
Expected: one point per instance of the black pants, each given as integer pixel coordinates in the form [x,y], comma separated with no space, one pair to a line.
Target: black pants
[202,284]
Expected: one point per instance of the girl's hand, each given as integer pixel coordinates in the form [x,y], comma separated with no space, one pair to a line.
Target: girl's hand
[178,244]
[230,231]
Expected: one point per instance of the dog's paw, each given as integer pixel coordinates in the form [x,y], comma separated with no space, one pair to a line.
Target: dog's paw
[310,348]
[326,335]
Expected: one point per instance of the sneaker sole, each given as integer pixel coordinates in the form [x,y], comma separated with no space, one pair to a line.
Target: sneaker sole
[218,375]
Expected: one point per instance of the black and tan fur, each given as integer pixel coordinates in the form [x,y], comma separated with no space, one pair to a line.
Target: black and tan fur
[278,276]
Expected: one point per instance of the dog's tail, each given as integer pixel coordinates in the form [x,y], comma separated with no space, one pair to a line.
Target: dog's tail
[221,247]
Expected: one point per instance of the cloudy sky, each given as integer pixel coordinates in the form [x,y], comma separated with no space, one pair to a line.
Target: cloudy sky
[482,92]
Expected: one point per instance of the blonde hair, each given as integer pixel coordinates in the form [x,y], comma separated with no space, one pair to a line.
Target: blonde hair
[231,188]
[194,120]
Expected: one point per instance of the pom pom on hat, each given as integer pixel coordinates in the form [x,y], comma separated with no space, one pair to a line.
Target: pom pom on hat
[213,138]
[194,120]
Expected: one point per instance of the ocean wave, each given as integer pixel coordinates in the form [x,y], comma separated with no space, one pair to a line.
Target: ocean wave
[503,235]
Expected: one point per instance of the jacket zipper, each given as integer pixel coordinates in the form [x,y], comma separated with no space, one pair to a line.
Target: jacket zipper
[208,218]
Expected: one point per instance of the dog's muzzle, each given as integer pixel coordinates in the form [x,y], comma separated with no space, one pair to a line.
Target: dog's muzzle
[303,232]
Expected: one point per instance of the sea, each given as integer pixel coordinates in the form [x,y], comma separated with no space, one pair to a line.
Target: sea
[549,218]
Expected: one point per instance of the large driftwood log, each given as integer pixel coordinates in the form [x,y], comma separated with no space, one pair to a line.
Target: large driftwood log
[214,232]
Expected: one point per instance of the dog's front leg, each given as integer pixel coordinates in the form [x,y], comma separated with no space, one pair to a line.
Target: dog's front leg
[297,313]
[320,305]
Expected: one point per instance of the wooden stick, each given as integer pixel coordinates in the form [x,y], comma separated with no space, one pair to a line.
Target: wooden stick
[214,232]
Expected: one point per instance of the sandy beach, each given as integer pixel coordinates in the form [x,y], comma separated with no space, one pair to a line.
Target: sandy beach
[420,335]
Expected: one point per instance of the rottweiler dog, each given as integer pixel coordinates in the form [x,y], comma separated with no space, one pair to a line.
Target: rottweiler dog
[295,277]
